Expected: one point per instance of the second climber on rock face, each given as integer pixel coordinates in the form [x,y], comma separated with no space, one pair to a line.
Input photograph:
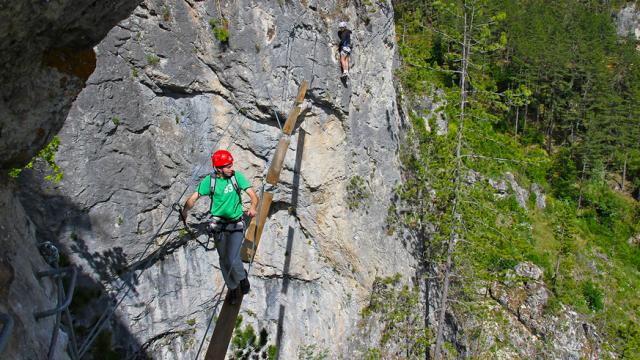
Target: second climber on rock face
[344,47]
[224,187]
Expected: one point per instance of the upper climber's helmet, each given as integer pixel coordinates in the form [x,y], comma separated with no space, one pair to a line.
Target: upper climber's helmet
[342,25]
[221,158]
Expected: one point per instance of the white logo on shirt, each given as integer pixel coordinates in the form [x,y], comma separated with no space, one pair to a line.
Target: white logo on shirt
[228,188]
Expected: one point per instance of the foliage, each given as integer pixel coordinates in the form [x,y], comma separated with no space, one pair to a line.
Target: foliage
[563,175]
[372,354]
[629,338]
[246,344]
[547,80]
[311,352]
[152,59]
[48,155]
[593,295]
[396,308]
[357,192]
[166,13]
[563,245]
[220,29]
[550,101]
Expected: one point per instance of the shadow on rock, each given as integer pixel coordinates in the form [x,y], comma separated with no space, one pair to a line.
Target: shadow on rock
[52,216]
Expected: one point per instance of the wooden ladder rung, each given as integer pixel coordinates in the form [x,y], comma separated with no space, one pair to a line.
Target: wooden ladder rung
[226,322]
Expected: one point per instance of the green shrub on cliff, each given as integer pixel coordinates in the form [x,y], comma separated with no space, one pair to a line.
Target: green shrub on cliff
[220,29]
[48,155]
[551,102]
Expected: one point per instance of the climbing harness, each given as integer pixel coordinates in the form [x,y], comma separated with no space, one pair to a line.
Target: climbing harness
[109,310]
[219,295]
[276,164]
[227,318]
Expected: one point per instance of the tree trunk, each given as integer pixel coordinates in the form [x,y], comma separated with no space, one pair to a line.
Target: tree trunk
[466,49]
[624,170]
[554,281]
[584,170]
[517,113]
[524,119]
[550,130]
[571,135]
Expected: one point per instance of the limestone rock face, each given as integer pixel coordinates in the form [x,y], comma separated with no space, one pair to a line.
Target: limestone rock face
[46,57]
[533,331]
[528,270]
[521,193]
[22,293]
[634,240]
[628,21]
[430,109]
[500,187]
[541,197]
[166,93]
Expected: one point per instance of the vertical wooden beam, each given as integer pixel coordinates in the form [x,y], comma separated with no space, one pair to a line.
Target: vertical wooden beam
[224,329]
[295,111]
[252,237]
[281,151]
[278,159]
[226,322]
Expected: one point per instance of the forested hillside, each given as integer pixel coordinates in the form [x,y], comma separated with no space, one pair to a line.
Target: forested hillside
[541,95]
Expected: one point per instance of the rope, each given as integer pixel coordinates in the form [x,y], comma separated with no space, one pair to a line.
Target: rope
[219,295]
[106,315]
[255,233]
[213,313]
[264,86]
[108,312]
[290,39]
[231,142]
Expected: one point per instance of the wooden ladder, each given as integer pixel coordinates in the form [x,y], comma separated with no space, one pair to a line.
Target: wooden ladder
[226,322]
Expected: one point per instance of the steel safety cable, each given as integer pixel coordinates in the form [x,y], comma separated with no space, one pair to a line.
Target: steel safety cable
[108,312]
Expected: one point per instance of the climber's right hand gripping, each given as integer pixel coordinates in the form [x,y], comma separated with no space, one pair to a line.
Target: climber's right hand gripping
[187,206]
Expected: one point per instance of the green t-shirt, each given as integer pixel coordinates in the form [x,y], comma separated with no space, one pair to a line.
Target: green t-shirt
[226,202]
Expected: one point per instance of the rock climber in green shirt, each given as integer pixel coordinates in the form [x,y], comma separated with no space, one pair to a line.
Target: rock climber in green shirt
[226,211]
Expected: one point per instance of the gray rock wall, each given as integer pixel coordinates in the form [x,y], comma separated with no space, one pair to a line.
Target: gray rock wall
[164,94]
[46,56]
[628,21]
[45,59]
[21,293]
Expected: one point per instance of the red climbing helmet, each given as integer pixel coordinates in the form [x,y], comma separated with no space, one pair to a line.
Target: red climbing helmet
[221,158]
